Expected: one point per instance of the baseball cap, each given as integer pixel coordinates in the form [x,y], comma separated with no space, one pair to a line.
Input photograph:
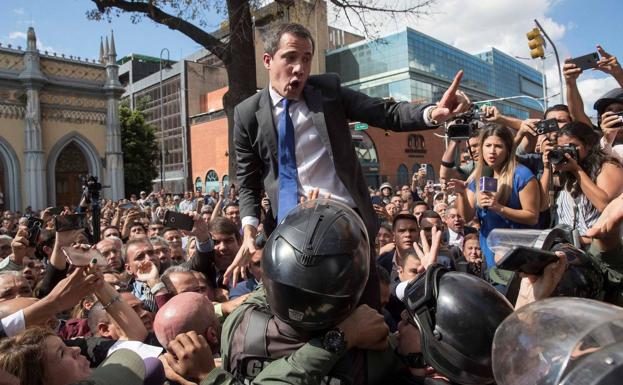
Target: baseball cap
[612,96]
[123,367]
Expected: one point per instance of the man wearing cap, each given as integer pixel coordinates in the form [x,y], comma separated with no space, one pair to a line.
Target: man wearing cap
[309,147]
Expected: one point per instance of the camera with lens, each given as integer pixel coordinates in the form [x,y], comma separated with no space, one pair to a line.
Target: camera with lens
[557,154]
[464,124]
[546,126]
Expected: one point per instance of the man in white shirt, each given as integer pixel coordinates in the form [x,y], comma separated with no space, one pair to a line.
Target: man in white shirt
[318,113]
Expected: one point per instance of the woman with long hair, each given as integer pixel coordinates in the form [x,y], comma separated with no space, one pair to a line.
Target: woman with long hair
[588,183]
[516,202]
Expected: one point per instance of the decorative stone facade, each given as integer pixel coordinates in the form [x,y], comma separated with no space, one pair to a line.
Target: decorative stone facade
[50,107]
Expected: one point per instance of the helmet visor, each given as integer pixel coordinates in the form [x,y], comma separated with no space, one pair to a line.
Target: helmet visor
[534,345]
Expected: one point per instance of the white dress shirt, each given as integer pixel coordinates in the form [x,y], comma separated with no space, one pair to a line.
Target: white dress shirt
[314,166]
[455,239]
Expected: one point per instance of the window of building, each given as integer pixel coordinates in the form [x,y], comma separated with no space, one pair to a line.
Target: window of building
[211,181]
[402,176]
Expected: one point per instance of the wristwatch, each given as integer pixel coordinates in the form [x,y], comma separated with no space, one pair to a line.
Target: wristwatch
[157,287]
[334,341]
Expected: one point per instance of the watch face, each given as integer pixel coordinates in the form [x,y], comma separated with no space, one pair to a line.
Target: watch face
[334,341]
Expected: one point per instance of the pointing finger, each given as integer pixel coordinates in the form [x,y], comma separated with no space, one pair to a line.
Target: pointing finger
[456,82]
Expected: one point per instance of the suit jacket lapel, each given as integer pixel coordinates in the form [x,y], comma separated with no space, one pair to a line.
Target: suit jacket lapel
[313,98]
[266,124]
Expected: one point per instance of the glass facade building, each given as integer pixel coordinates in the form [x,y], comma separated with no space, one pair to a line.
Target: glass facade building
[412,66]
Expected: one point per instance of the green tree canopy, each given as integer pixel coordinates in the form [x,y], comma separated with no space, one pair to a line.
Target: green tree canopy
[140,150]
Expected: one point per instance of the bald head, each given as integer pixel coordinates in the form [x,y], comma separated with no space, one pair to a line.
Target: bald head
[13,285]
[183,313]
[12,305]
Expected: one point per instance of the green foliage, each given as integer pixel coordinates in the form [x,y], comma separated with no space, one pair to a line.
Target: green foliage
[140,151]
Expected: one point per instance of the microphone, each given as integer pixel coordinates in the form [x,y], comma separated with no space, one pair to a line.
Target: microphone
[487,181]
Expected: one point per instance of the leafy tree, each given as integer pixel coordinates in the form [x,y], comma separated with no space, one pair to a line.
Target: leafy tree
[236,50]
[140,150]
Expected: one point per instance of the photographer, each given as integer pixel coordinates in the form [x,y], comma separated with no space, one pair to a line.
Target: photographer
[589,178]
[449,169]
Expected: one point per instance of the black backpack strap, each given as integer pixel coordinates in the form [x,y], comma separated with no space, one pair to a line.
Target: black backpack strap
[255,343]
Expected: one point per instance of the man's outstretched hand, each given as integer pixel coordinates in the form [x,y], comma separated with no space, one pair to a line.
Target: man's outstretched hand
[452,102]
[238,267]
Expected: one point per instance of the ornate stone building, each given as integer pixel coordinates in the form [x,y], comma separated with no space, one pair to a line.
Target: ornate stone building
[58,121]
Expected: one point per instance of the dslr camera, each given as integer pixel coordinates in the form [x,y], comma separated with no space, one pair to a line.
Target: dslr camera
[557,154]
[546,126]
[464,124]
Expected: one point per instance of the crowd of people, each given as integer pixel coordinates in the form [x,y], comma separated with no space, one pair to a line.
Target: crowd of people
[315,296]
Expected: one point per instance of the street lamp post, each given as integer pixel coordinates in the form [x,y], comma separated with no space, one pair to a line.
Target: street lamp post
[162,150]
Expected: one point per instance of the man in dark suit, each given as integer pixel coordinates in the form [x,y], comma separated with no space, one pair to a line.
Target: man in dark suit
[310,147]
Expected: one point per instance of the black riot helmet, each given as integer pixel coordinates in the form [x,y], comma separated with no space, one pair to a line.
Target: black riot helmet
[315,265]
[457,315]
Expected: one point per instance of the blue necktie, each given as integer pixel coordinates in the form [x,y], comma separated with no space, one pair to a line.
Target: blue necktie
[288,176]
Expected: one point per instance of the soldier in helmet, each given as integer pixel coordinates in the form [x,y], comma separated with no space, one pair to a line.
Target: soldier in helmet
[301,312]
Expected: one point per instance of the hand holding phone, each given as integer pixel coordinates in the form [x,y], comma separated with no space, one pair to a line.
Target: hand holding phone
[34,229]
[81,257]
[70,222]
[178,221]
[585,62]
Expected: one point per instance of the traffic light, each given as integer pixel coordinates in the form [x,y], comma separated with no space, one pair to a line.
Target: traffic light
[536,43]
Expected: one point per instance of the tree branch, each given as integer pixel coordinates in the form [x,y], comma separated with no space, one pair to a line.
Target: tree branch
[209,42]
[362,9]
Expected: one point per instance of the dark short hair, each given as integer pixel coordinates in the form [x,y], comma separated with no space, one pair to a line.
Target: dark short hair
[556,107]
[111,227]
[167,229]
[430,214]
[222,225]
[386,226]
[403,216]
[230,204]
[273,37]
[420,203]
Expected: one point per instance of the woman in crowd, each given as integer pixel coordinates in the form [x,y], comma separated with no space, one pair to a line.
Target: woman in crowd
[37,356]
[516,202]
[588,183]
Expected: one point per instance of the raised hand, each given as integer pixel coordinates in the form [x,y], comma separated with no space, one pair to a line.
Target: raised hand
[608,63]
[452,102]
[365,328]
[190,356]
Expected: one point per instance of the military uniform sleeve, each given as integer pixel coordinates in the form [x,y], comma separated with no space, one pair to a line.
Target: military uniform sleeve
[308,365]
[219,376]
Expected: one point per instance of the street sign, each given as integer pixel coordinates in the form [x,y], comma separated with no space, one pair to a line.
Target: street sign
[361,126]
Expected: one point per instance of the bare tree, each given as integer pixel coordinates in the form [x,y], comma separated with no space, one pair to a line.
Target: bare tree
[236,52]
